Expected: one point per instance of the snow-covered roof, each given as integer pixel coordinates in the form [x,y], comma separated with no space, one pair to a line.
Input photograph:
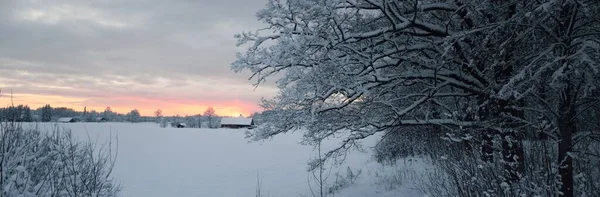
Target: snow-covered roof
[236,121]
[182,124]
[65,119]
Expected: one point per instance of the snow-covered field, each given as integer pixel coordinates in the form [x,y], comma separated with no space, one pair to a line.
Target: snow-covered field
[154,161]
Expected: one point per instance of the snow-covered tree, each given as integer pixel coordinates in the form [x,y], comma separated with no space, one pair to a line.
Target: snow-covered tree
[46,113]
[355,68]
[20,113]
[559,73]
[210,113]
[133,116]
[108,114]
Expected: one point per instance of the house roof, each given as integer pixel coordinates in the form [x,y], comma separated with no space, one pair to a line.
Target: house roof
[236,121]
[65,119]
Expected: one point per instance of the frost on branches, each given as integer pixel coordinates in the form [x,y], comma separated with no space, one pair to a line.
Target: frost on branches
[490,72]
[33,163]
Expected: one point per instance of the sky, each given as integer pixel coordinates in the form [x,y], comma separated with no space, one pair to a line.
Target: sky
[127,54]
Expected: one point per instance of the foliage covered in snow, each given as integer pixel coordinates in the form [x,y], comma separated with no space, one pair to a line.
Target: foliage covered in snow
[40,163]
[485,74]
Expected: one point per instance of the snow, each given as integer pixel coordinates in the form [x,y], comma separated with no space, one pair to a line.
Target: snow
[154,161]
[236,121]
[65,119]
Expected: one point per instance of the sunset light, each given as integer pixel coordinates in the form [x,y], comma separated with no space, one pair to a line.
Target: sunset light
[320,98]
[146,106]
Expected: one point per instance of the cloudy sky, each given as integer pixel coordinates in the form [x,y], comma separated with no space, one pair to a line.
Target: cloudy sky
[126,54]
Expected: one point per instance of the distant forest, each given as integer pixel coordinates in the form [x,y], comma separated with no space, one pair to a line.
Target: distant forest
[23,113]
[47,113]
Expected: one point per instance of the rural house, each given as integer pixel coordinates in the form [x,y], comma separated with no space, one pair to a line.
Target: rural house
[239,122]
[181,125]
[67,119]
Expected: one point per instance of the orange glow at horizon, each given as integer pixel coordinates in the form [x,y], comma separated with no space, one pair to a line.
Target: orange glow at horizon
[125,104]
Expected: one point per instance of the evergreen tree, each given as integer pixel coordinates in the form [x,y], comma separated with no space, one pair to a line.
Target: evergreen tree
[46,113]
[26,114]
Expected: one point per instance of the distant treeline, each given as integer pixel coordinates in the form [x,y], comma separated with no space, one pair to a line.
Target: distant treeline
[47,113]
[23,113]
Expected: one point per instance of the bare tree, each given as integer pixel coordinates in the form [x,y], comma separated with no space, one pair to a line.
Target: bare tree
[158,113]
[318,175]
[210,113]
[160,119]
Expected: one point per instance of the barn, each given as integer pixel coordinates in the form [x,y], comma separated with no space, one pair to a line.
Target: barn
[239,122]
[181,125]
[67,119]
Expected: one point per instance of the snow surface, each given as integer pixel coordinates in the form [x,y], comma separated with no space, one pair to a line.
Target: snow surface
[65,119]
[154,161]
[236,121]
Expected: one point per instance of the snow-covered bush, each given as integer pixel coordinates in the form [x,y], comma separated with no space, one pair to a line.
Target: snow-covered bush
[36,163]
[471,175]
[406,142]
[398,176]
[343,180]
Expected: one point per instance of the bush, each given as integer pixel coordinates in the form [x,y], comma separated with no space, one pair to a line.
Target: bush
[471,176]
[460,171]
[35,163]
[404,142]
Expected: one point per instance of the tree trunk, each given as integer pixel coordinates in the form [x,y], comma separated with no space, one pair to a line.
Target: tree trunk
[567,126]
[566,121]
